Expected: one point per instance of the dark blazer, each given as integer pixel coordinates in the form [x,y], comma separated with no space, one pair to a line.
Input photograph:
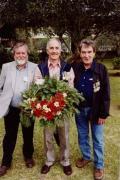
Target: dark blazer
[45,71]
[101,89]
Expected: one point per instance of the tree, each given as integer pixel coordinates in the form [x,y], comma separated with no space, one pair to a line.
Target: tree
[77,18]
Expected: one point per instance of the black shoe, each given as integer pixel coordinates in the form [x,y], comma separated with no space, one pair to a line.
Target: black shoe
[29,162]
[3,170]
[45,169]
[67,170]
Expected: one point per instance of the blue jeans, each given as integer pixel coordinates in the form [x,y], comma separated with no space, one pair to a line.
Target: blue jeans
[82,122]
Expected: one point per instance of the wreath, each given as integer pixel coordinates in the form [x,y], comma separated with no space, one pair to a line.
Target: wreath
[50,101]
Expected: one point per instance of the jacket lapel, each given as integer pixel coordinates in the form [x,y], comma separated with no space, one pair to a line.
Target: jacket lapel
[31,71]
[30,74]
[44,68]
[13,73]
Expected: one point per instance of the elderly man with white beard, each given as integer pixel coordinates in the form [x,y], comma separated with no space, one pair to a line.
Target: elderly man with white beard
[15,78]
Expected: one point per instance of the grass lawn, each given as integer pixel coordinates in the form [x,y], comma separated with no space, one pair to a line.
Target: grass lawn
[112,149]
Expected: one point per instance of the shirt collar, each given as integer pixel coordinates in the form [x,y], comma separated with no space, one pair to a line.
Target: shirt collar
[21,67]
[51,64]
[92,66]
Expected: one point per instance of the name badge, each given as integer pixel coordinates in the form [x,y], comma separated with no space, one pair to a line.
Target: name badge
[90,79]
[25,79]
[96,86]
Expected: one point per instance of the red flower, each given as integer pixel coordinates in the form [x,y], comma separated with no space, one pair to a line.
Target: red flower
[62,103]
[59,95]
[52,107]
[49,109]
[37,112]
[48,115]
[33,104]
[43,102]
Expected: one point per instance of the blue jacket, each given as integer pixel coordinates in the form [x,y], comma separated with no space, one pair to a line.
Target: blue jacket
[45,71]
[101,89]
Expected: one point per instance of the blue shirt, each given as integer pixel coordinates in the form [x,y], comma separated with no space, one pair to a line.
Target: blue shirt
[21,84]
[85,86]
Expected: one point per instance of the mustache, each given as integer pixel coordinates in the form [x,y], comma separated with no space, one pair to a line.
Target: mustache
[54,53]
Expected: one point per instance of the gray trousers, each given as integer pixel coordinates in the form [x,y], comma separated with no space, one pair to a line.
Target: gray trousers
[63,133]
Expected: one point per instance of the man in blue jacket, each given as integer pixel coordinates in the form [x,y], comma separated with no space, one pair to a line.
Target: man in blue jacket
[55,67]
[91,79]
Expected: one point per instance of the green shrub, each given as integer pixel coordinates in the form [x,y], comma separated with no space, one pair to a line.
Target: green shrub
[116,63]
[34,57]
[5,56]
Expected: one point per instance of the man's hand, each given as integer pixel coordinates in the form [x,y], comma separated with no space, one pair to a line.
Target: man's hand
[101,121]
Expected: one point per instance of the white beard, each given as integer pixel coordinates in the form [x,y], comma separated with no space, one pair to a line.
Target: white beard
[21,62]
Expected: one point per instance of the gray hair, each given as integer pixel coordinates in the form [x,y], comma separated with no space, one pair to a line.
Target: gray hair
[19,44]
[53,39]
[86,43]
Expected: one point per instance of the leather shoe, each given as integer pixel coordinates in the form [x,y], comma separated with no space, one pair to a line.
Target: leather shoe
[98,174]
[29,163]
[67,170]
[3,170]
[81,162]
[45,169]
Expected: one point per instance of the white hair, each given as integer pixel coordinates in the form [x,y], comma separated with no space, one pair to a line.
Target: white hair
[51,40]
